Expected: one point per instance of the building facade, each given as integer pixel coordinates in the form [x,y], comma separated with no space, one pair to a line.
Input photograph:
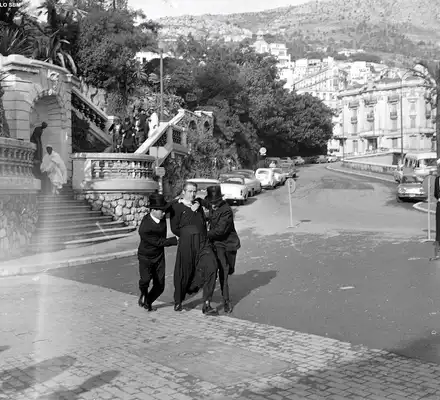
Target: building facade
[377,115]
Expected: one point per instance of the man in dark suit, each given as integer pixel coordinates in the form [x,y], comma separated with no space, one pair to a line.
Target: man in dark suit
[151,251]
[224,238]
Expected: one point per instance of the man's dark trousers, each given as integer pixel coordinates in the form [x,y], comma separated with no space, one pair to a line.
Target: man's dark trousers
[152,269]
[226,266]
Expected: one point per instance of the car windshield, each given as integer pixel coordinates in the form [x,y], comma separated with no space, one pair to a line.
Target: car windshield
[233,179]
[409,179]
[204,185]
[427,162]
[249,175]
[262,173]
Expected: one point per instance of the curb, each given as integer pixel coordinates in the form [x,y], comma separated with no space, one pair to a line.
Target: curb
[418,207]
[343,171]
[41,268]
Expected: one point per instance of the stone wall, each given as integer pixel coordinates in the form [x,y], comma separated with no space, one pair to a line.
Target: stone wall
[125,207]
[18,220]
[370,167]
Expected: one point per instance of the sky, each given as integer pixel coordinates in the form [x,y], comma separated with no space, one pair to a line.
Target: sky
[172,8]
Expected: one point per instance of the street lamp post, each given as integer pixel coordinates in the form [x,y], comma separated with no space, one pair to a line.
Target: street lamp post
[161,86]
[401,120]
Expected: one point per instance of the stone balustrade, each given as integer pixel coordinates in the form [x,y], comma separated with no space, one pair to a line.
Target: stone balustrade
[16,162]
[113,172]
[89,110]
[18,197]
[115,184]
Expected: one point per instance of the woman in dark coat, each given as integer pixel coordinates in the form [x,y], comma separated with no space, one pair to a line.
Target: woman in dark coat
[196,265]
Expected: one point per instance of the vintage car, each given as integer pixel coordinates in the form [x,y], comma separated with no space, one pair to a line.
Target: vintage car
[266,177]
[202,184]
[234,188]
[280,176]
[411,188]
[289,169]
[321,159]
[298,160]
[332,158]
[252,183]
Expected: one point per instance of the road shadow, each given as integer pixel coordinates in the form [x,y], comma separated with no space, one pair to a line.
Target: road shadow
[4,348]
[240,286]
[370,373]
[426,348]
[38,373]
[92,383]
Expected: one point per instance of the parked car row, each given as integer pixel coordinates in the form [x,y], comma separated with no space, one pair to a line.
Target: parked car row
[238,185]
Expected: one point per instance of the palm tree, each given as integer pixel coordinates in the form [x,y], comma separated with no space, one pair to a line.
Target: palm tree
[4,127]
[14,40]
[430,73]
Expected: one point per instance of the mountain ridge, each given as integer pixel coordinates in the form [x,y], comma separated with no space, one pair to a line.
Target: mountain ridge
[342,20]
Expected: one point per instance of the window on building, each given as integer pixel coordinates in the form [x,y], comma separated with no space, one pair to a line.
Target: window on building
[394,124]
[355,128]
[413,121]
[413,106]
[394,143]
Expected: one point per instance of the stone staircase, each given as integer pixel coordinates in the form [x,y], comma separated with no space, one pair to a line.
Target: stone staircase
[68,223]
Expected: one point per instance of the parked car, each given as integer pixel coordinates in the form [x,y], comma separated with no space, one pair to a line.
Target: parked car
[280,176]
[266,177]
[298,160]
[289,169]
[411,188]
[321,160]
[252,183]
[332,158]
[234,188]
[275,160]
[202,184]
[286,160]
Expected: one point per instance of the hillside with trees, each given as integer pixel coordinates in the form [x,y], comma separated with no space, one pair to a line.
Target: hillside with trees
[404,27]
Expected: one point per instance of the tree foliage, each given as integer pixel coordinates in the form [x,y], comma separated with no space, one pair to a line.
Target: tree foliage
[108,42]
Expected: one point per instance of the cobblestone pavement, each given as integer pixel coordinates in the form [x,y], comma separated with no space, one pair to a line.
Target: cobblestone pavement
[61,339]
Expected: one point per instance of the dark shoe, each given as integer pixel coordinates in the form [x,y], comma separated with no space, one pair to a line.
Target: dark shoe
[231,271]
[208,310]
[141,300]
[178,307]
[228,307]
[149,307]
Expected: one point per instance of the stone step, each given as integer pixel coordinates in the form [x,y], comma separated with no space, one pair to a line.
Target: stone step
[62,237]
[66,202]
[92,241]
[73,222]
[59,215]
[63,207]
[85,227]
[55,199]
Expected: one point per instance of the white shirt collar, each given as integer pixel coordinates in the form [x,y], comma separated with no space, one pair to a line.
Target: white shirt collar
[155,219]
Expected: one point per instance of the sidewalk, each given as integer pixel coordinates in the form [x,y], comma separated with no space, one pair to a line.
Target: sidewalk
[65,258]
[62,339]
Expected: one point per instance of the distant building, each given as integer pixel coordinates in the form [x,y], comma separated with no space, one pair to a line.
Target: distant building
[146,56]
[371,117]
[350,52]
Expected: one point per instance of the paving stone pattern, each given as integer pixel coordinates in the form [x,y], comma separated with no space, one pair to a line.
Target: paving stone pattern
[61,339]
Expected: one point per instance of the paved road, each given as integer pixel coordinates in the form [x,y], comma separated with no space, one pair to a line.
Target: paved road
[352,268]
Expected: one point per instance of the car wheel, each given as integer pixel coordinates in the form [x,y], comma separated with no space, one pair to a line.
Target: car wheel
[399,200]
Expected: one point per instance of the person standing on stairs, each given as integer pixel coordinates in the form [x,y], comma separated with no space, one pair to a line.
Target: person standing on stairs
[38,156]
[53,165]
[151,251]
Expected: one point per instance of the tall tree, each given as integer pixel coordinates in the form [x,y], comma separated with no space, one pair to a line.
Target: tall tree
[115,39]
